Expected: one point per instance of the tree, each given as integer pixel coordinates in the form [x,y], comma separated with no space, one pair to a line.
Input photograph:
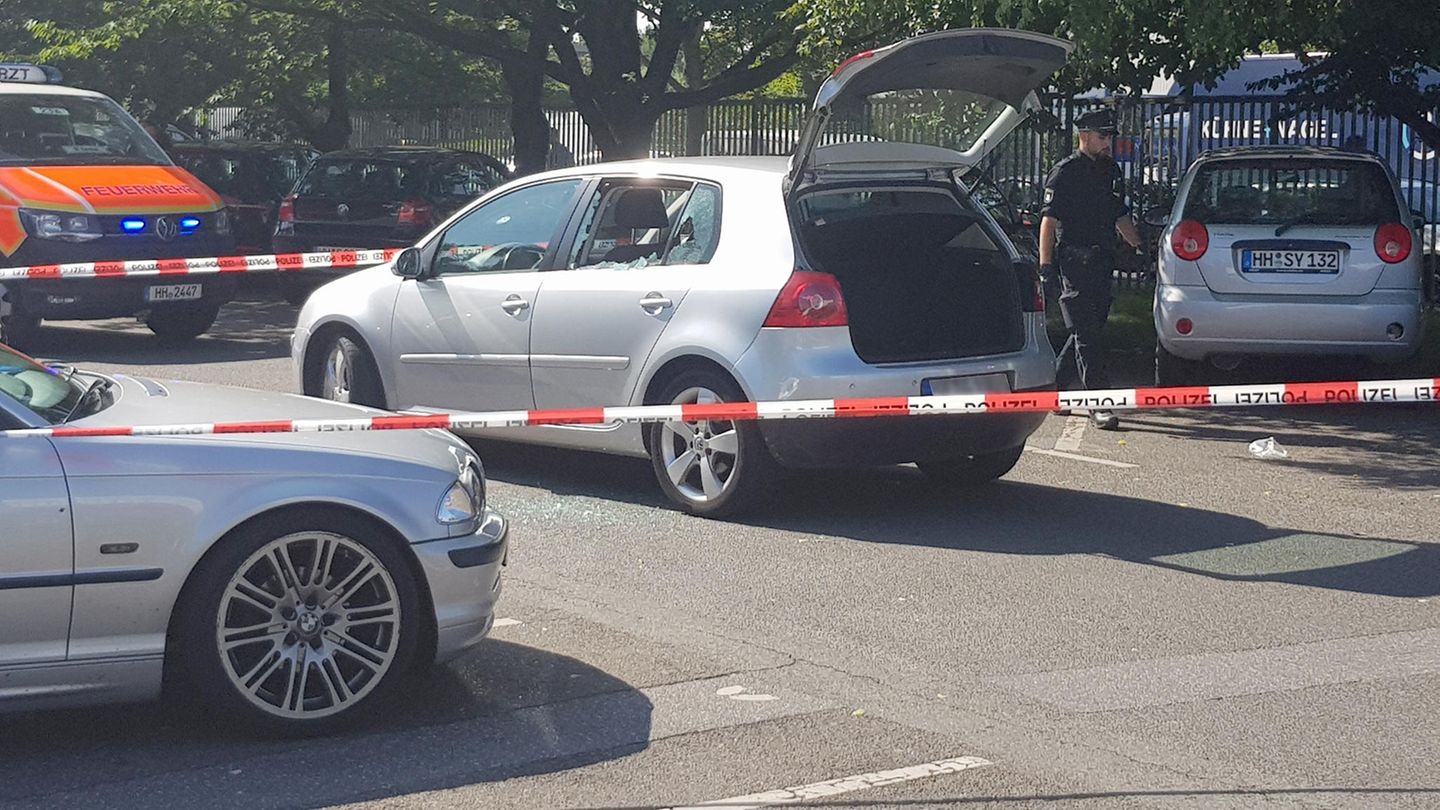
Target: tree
[618,59]
[1376,52]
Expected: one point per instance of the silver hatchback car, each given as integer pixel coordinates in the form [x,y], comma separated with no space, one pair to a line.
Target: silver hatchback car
[287,580]
[860,267]
[1285,250]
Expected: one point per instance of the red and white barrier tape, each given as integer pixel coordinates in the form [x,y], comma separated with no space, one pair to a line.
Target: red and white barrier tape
[214,265]
[1120,399]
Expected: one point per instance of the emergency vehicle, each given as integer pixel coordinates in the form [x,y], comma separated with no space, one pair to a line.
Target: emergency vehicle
[81,181]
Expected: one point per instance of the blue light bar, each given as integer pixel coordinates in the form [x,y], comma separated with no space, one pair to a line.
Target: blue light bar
[132,225]
[190,223]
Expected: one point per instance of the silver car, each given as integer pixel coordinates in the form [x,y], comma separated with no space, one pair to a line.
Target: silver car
[1283,250]
[287,579]
[860,267]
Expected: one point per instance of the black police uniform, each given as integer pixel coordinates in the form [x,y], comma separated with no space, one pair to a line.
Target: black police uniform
[1086,195]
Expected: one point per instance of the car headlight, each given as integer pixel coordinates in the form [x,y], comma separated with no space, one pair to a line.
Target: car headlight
[464,499]
[60,225]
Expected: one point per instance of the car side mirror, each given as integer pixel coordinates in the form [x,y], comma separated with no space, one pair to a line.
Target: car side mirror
[408,264]
[1157,217]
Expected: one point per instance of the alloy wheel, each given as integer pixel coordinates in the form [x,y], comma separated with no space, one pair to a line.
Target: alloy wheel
[700,457]
[308,625]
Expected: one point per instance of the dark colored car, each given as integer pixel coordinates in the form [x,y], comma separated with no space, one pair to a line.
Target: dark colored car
[384,197]
[251,177]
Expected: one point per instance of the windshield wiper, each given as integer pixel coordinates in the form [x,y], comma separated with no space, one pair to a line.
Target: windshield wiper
[101,384]
[1306,218]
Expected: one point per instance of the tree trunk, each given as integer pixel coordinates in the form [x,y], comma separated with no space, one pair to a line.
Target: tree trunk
[335,132]
[696,118]
[525,81]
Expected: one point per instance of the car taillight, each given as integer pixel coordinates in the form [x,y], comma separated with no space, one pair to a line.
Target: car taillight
[287,210]
[1190,240]
[414,212]
[809,299]
[1393,243]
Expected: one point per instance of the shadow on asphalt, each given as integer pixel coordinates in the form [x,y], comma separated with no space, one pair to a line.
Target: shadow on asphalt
[898,505]
[503,710]
[255,328]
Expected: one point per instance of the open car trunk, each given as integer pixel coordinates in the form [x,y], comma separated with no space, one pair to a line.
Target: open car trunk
[923,277]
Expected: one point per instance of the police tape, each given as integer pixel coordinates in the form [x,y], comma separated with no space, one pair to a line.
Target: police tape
[1120,399]
[214,265]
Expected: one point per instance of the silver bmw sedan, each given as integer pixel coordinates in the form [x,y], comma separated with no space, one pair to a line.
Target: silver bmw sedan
[285,579]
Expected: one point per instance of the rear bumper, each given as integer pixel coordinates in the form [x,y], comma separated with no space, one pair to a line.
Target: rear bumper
[463,575]
[1243,325]
[820,363]
[804,443]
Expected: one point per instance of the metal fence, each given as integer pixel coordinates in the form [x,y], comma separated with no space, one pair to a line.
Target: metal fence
[1160,137]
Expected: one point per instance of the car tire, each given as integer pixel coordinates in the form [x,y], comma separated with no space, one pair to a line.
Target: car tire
[713,468]
[1177,372]
[969,471]
[347,373]
[183,322]
[291,654]
[19,329]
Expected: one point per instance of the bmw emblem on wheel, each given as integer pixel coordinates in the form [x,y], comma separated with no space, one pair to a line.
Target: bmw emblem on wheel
[342,210]
[166,229]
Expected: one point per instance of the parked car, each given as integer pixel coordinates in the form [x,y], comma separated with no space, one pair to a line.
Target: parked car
[376,198]
[285,580]
[856,269]
[81,181]
[251,177]
[1285,250]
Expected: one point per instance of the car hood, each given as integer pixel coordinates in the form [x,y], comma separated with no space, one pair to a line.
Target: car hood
[143,401]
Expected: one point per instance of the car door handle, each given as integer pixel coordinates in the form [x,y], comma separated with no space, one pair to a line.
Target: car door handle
[514,305]
[654,302]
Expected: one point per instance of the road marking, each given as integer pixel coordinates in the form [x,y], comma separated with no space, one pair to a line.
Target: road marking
[845,784]
[1072,434]
[740,693]
[506,622]
[1077,457]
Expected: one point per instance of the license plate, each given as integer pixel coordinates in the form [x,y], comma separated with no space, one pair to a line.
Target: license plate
[173,292]
[972,384]
[1290,261]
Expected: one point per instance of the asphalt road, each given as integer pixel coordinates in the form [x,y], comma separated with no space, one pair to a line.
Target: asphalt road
[1146,618]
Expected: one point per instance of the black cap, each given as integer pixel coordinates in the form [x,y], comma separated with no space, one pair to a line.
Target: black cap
[1102,121]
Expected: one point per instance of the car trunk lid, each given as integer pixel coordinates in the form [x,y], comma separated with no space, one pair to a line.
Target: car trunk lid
[1299,225]
[957,92]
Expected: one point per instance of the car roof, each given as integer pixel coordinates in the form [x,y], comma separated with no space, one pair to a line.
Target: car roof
[35,89]
[239,146]
[399,153]
[1286,150]
[711,168]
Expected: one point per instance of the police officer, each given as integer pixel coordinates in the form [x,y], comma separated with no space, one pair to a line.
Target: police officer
[1084,211]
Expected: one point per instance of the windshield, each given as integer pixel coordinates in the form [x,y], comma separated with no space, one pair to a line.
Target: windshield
[363,179]
[954,119]
[1278,191]
[48,393]
[250,177]
[53,130]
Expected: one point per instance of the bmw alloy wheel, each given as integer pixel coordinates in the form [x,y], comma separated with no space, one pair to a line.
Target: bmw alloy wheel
[308,625]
